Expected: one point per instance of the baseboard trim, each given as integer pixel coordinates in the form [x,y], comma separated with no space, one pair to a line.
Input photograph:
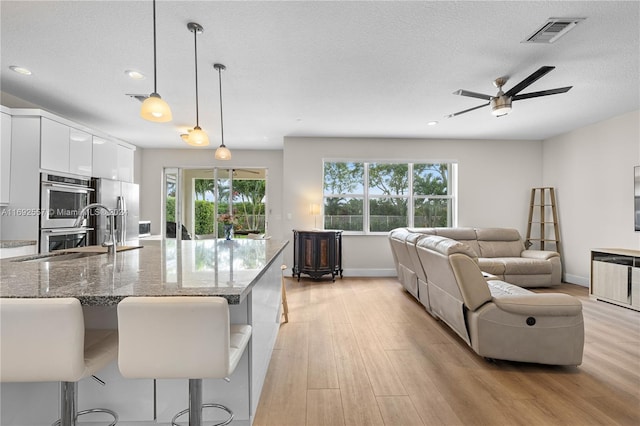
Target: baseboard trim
[576,279]
[370,272]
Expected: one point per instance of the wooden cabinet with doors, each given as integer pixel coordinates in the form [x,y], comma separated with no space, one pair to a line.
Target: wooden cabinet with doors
[317,253]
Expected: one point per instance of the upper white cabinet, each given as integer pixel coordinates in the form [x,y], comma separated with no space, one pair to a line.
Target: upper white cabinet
[5,159]
[80,152]
[105,158]
[112,160]
[64,149]
[125,164]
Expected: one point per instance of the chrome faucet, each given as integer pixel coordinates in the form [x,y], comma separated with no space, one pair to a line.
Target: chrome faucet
[111,244]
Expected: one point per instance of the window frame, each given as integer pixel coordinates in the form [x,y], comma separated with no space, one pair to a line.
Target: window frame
[411,197]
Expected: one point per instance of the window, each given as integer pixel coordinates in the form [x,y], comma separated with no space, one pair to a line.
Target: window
[378,197]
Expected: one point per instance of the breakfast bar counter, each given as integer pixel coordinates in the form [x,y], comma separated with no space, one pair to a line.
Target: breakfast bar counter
[245,272]
[227,268]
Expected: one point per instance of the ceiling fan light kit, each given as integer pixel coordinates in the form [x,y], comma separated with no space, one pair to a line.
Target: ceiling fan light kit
[500,106]
[154,108]
[501,102]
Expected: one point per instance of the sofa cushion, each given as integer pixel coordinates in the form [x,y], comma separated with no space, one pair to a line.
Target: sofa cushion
[473,287]
[500,248]
[500,288]
[524,266]
[499,242]
[446,246]
[491,266]
[464,235]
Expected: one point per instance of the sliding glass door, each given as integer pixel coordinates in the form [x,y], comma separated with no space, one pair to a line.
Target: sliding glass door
[202,201]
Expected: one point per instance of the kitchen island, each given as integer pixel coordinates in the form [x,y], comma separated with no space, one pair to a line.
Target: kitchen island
[246,272]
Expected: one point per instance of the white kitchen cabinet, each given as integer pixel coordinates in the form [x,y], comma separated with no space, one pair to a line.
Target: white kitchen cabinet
[80,152]
[5,159]
[125,164]
[54,146]
[65,149]
[105,158]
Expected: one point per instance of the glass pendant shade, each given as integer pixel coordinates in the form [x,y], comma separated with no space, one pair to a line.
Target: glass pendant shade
[198,137]
[154,108]
[223,153]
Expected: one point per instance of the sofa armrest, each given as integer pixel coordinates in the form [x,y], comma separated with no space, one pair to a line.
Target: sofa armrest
[551,304]
[539,254]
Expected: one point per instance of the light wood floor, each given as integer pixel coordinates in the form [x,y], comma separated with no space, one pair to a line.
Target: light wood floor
[364,352]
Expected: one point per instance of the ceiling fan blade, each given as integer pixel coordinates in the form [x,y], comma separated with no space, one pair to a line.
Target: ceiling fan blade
[467,110]
[255,172]
[529,80]
[541,93]
[463,92]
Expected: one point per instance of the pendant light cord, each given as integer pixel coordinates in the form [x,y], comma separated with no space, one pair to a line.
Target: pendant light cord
[155,76]
[221,121]
[195,48]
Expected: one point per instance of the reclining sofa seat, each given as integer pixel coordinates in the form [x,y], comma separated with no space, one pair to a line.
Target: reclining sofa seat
[499,320]
[404,264]
[501,252]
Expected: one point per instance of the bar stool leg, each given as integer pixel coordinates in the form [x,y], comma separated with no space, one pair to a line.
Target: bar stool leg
[69,406]
[196,406]
[195,402]
[68,403]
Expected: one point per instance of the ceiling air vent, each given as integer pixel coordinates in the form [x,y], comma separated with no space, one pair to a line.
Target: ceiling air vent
[552,30]
[141,97]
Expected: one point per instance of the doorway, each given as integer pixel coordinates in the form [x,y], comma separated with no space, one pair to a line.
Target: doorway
[200,200]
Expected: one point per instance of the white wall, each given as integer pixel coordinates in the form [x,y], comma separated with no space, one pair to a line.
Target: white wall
[154,160]
[494,184]
[592,171]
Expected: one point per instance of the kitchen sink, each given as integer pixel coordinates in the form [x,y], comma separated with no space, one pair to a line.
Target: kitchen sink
[56,257]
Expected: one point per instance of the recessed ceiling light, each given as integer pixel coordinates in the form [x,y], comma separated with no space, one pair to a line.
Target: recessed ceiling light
[136,75]
[432,123]
[20,70]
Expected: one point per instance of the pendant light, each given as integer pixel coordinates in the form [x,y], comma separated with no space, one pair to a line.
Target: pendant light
[197,137]
[222,153]
[154,108]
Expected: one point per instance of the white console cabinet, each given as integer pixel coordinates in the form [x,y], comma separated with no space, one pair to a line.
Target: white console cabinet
[615,277]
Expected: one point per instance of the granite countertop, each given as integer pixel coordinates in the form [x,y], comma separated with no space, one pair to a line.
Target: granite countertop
[17,243]
[159,268]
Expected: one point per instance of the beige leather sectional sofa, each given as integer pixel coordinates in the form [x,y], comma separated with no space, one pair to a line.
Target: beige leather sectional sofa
[497,319]
[501,252]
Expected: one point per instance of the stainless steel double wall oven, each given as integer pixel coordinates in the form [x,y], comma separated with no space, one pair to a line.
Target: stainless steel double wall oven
[61,199]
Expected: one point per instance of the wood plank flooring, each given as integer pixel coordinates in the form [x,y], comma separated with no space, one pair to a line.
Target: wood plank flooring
[362,351]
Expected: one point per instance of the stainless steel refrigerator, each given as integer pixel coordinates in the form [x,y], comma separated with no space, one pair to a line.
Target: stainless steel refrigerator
[123,198]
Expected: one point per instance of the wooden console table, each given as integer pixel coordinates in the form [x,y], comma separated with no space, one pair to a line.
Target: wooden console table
[317,253]
[615,277]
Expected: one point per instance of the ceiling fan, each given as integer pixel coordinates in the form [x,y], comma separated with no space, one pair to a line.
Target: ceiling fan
[501,102]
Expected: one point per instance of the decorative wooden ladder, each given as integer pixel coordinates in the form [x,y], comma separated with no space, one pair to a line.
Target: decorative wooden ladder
[546,200]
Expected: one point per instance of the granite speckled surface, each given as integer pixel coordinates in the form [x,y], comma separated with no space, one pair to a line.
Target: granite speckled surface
[17,243]
[160,268]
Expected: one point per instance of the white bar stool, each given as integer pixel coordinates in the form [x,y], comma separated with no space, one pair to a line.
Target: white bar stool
[183,337]
[44,340]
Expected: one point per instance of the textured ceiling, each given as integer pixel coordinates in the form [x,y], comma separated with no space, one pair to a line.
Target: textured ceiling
[333,69]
